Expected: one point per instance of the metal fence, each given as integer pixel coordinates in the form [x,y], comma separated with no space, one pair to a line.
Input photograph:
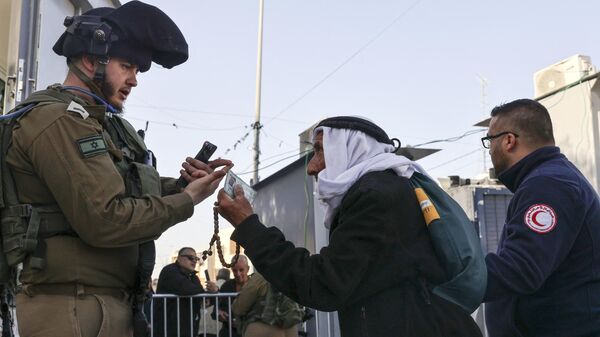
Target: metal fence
[207,306]
[208,302]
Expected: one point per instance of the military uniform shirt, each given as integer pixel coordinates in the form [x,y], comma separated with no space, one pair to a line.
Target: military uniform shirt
[49,168]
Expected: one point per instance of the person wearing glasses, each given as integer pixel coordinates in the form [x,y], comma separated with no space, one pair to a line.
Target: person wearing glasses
[179,278]
[544,279]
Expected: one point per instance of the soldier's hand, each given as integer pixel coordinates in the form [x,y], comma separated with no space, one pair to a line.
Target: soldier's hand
[203,187]
[234,210]
[194,169]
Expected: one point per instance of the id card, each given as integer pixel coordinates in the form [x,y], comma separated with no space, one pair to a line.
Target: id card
[231,180]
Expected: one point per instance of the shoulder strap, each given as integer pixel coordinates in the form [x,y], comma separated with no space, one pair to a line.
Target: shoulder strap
[9,191]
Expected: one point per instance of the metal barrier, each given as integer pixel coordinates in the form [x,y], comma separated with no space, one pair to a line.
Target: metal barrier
[322,325]
[209,300]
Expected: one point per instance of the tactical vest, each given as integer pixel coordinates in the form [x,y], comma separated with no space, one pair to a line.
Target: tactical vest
[23,226]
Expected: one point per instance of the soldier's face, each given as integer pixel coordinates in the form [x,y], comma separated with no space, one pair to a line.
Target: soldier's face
[121,77]
[317,163]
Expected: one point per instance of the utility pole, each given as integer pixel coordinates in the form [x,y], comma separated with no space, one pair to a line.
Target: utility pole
[257,125]
[484,83]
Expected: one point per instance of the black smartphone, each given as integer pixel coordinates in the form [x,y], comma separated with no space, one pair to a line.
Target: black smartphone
[206,275]
[203,155]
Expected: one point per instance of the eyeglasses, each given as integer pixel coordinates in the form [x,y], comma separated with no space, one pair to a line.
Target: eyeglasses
[192,258]
[487,140]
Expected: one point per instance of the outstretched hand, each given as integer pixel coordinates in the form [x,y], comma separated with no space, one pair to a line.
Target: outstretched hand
[206,181]
[193,169]
[234,210]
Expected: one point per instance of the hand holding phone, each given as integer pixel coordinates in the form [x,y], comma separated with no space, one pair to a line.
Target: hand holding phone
[207,150]
[206,275]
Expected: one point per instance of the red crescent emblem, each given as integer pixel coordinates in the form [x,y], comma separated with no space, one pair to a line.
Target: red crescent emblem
[540,218]
[534,218]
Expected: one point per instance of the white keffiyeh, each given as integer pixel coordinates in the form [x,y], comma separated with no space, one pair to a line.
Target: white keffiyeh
[350,154]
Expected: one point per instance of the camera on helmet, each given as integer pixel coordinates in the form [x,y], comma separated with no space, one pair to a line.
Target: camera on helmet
[96,35]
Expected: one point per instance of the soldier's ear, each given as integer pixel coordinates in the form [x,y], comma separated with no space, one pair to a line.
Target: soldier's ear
[88,64]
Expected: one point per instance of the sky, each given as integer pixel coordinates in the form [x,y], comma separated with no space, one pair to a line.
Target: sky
[415,68]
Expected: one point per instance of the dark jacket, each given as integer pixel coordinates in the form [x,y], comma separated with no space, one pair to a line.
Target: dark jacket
[376,271]
[545,278]
[227,287]
[176,281]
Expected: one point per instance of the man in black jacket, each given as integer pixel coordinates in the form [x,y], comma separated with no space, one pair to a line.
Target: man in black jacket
[179,278]
[379,266]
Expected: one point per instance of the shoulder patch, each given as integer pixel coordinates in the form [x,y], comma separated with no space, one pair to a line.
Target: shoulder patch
[76,107]
[540,218]
[92,146]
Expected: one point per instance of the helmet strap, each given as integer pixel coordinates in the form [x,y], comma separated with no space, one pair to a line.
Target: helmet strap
[101,69]
[98,76]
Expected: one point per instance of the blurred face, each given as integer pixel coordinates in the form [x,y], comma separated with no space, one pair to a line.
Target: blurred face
[317,163]
[187,260]
[120,78]
[240,272]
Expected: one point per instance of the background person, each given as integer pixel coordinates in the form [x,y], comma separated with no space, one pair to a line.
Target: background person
[240,276]
[179,278]
[261,311]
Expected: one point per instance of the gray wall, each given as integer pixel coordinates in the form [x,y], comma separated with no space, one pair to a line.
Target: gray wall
[286,202]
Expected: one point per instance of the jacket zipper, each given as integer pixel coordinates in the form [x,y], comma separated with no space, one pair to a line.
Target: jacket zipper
[363,316]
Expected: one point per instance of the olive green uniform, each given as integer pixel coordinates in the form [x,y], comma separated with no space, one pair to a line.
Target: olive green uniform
[53,164]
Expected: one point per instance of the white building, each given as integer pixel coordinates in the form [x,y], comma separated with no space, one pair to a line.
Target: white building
[28,30]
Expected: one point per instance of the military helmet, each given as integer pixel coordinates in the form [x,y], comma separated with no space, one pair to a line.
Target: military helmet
[137,32]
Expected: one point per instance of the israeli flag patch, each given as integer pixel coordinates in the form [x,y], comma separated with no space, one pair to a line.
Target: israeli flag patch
[92,146]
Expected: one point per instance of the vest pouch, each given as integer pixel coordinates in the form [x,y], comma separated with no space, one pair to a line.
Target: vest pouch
[142,179]
[19,225]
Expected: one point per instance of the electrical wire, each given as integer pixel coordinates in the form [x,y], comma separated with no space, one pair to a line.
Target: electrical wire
[272,157]
[179,126]
[451,139]
[281,141]
[346,61]
[277,162]
[453,160]
[237,142]
[205,112]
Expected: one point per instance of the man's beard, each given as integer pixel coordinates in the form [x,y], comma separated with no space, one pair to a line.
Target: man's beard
[109,90]
[500,163]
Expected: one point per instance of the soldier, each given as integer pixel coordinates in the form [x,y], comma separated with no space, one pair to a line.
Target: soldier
[82,176]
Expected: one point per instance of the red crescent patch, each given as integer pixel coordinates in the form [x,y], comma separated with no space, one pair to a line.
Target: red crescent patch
[540,218]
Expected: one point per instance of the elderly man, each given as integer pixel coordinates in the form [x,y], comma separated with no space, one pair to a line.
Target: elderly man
[544,279]
[81,184]
[379,266]
[240,278]
[179,278]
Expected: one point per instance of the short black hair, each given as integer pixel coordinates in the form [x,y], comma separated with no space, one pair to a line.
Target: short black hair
[527,118]
[184,249]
